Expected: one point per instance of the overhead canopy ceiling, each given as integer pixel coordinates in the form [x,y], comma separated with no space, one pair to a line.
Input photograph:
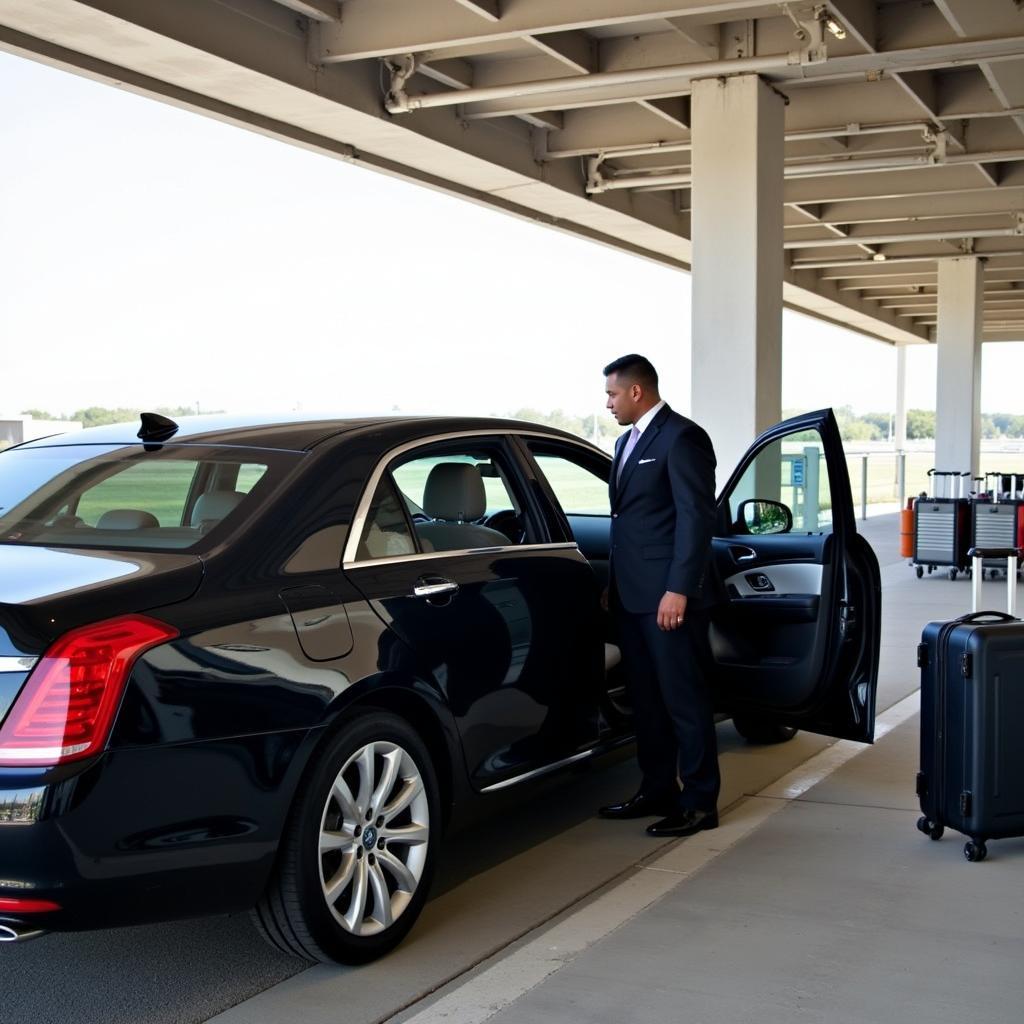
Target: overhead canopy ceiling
[904,119]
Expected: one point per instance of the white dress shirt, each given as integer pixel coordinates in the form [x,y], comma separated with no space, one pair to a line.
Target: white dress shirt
[645,421]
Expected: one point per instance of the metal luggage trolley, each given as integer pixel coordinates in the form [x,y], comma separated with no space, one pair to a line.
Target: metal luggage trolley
[942,525]
[997,519]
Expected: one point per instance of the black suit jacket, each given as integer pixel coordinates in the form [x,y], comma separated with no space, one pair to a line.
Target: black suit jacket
[663,512]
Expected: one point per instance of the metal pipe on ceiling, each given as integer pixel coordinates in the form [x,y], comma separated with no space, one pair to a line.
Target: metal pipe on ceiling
[808,135]
[920,58]
[398,103]
[869,262]
[906,236]
[819,169]
[824,168]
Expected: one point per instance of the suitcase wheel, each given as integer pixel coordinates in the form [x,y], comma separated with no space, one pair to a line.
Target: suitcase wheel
[920,571]
[952,574]
[975,851]
[932,829]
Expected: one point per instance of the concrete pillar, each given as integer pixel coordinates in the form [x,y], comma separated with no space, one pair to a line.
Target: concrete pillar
[736,380]
[958,392]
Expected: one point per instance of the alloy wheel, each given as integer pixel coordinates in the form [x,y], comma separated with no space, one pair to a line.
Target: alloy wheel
[374,835]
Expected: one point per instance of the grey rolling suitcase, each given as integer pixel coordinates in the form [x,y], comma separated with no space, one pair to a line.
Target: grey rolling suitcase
[995,519]
[972,720]
[942,525]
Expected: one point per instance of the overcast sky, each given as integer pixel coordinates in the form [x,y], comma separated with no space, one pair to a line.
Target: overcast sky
[155,257]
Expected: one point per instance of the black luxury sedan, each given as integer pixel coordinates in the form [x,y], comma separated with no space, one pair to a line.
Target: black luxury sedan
[264,664]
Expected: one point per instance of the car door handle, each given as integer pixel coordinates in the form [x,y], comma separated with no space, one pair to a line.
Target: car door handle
[435,588]
[742,554]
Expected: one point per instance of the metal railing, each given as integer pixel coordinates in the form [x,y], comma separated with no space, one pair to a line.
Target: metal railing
[884,478]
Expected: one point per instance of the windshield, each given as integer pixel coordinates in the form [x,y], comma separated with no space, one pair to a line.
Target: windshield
[123,496]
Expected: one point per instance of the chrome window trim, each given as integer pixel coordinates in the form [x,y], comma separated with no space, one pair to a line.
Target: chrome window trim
[349,559]
[18,663]
[460,553]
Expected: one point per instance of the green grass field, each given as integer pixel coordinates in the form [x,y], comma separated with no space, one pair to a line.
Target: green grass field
[160,488]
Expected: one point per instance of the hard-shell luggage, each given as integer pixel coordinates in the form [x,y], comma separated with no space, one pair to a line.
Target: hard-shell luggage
[972,719]
[995,518]
[942,524]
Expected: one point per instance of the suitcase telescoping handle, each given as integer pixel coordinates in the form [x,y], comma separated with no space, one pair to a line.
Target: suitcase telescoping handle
[952,482]
[977,557]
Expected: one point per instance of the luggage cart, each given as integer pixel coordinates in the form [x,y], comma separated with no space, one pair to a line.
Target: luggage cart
[996,517]
[942,525]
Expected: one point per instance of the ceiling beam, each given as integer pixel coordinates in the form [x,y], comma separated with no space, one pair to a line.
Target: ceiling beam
[576,50]
[381,28]
[318,10]
[490,10]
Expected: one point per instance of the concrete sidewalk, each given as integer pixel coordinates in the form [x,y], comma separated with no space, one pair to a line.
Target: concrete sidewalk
[831,908]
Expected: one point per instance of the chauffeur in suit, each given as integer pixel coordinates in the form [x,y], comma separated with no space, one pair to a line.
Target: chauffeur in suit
[663,506]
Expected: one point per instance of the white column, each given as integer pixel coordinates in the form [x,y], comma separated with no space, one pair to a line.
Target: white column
[958,392]
[736,381]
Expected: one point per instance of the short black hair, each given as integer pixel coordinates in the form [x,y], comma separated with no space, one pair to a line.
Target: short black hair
[634,368]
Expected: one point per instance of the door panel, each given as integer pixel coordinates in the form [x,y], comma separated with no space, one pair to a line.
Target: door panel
[504,627]
[793,632]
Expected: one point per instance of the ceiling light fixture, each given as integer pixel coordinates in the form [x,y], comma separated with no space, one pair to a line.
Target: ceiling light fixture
[835,27]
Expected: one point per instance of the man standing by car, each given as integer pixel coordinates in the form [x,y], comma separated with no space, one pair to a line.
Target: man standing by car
[662,492]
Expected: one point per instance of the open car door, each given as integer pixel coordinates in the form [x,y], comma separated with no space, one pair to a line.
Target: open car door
[795,625]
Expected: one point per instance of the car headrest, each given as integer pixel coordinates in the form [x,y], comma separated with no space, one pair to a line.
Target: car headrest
[213,506]
[126,519]
[454,492]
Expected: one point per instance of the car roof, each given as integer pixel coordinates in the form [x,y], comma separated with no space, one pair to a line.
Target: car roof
[288,431]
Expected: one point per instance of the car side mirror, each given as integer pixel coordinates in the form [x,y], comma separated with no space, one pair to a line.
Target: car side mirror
[761,516]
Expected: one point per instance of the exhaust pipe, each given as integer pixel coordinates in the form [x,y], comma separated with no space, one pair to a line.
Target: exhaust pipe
[12,932]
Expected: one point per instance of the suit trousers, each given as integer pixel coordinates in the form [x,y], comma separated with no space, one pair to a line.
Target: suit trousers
[675,726]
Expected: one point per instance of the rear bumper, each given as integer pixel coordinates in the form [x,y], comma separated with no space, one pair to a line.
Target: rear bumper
[146,834]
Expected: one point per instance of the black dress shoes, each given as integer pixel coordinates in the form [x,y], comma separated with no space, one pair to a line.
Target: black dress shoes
[637,806]
[684,823]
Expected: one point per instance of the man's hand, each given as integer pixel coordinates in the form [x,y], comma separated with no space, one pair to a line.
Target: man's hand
[671,611]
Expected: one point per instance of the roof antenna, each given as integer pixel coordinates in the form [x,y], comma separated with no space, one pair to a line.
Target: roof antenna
[156,427]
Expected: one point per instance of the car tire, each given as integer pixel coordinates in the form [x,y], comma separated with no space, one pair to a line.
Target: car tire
[359,850]
[757,730]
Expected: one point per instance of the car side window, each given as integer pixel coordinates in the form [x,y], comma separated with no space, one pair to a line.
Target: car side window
[461,497]
[386,534]
[579,491]
[785,489]
[574,478]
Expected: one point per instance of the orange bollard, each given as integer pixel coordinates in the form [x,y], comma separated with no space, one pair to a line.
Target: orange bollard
[907,530]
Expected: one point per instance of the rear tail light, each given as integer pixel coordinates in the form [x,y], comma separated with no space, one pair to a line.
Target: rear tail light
[67,705]
[20,906]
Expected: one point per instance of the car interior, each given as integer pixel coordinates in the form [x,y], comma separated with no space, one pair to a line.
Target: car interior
[123,502]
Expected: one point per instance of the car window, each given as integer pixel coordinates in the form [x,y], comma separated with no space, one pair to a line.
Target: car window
[124,496]
[387,533]
[580,491]
[453,497]
[411,478]
[160,489]
[788,476]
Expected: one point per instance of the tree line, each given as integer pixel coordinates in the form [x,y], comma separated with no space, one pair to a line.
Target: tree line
[98,416]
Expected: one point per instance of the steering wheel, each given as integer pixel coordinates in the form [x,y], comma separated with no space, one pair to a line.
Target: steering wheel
[507,522]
